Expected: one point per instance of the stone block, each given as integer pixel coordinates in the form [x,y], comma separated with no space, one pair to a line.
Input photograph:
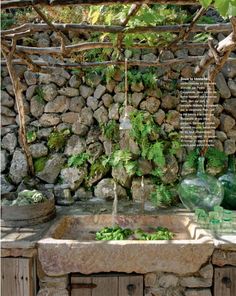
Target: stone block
[150,279]
[53,292]
[168,280]
[206,272]
[221,258]
[198,292]
[195,282]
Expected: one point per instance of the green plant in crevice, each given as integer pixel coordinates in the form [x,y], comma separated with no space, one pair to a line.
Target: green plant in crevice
[149,79]
[111,130]
[57,139]
[143,127]
[156,154]
[7,20]
[125,159]
[214,158]
[27,41]
[98,169]
[206,20]
[173,143]
[162,196]
[39,94]
[31,136]
[78,159]
[191,160]
[40,163]
[201,37]
[110,72]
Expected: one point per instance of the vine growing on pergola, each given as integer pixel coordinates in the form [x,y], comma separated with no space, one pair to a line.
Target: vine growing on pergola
[115,36]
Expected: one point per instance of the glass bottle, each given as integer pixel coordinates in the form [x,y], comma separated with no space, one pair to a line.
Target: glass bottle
[200,190]
[228,181]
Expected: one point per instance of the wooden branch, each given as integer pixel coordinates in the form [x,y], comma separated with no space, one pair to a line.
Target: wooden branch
[20,106]
[186,31]
[233,23]
[133,11]
[224,46]
[92,45]
[61,36]
[32,66]
[213,50]
[70,65]
[213,28]
[27,3]
[200,13]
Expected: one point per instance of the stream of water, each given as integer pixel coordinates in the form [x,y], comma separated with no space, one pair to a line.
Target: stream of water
[115,205]
[142,196]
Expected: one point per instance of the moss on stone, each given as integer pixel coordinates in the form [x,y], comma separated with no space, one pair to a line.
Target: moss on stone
[40,163]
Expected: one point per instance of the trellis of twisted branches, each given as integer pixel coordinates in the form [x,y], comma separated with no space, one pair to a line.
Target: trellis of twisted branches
[14,53]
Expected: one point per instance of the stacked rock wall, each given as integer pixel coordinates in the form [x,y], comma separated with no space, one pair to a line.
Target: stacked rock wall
[66,100]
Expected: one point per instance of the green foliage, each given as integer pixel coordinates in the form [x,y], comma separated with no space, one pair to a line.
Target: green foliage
[173,143]
[148,15]
[100,167]
[214,158]
[39,163]
[143,126]
[111,130]
[78,160]
[124,158]
[57,139]
[206,20]
[192,159]
[66,14]
[120,156]
[110,72]
[162,196]
[31,136]
[161,233]
[149,79]
[201,37]
[39,94]
[7,20]
[156,153]
[113,233]
[226,8]
[118,233]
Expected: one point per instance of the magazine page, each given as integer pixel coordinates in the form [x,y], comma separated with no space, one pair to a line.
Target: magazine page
[118,145]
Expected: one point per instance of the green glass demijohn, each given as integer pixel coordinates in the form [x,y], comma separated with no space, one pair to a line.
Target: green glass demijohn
[228,181]
[200,190]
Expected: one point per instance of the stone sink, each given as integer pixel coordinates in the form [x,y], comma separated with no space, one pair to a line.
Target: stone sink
[70,246]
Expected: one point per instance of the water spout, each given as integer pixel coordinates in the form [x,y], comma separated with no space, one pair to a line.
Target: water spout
[142,196]
[115,204]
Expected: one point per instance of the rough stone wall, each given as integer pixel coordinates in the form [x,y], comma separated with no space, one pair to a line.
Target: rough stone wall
[82,105]
[200,283]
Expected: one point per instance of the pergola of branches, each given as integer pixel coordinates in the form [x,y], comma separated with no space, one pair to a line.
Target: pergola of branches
[14,53]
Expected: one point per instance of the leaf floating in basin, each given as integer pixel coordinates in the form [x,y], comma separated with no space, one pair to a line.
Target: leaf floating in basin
[113,233]
[161,233]
[118,233]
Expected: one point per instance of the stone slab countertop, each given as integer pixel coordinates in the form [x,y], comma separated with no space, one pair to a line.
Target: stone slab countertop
[27,237]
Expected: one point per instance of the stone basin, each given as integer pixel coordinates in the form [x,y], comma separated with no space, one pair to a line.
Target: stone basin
[70,246]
